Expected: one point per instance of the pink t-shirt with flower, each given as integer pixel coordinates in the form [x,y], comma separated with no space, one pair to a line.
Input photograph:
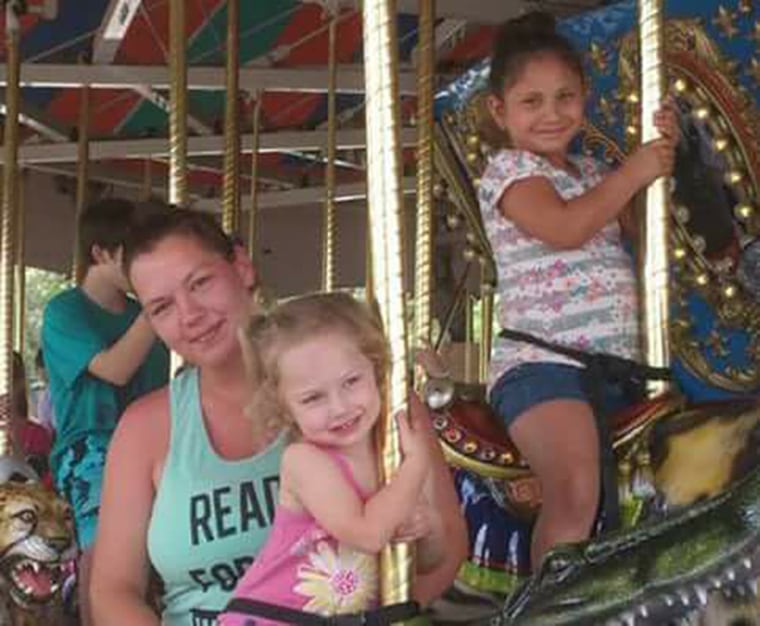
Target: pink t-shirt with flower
[302,567]
[585,298]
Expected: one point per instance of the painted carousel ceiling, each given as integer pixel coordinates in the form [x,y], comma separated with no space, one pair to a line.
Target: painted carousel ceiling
[120,48]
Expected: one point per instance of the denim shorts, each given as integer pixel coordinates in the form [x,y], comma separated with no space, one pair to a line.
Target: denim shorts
[530,384]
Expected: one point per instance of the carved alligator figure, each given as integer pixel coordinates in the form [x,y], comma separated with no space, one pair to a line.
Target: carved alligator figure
[654,573]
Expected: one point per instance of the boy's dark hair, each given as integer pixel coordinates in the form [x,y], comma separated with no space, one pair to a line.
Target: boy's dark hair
[520,39]
[106,224]
[157,225]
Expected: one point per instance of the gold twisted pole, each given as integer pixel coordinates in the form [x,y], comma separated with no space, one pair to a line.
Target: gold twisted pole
[329,226]
[654,255]
[147,187]
[7,243]
[19,280]
[83,162]
[254,201]
[369,283]
[178,194]
[486,329]
[231,191]
[385,215]
[423,284]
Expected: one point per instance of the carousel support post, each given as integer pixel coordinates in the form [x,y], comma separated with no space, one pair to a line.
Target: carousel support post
[9,203]
[329,226]
[147,188]
[469,306]
[19,279]
[178,194]
[654,253]
[83,162]
[385,216]
[369,283]
[486,329]
[254,198]
[231,191]
[423,284]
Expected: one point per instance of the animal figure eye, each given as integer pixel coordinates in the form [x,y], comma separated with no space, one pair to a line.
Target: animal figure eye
[28,516]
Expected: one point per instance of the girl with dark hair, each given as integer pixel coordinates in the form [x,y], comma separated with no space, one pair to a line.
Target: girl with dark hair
[564,277]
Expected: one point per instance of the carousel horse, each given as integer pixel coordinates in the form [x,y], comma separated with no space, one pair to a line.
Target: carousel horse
[688,462]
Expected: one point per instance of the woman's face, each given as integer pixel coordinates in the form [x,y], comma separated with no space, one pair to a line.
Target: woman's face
[194,298]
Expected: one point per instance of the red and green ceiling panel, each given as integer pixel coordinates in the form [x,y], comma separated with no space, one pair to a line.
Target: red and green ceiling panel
[261,24]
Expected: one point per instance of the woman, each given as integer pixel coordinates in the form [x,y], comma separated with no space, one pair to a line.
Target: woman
[190,486]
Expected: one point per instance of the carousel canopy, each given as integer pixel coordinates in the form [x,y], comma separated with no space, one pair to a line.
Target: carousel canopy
[120,49]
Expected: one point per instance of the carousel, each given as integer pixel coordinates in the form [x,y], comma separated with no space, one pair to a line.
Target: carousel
[240,107]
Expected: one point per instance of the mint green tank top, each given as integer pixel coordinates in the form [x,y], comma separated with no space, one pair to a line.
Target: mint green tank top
[210,516]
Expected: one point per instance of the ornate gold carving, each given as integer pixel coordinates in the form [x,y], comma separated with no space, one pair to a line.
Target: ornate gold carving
[607,111]
[755,36]
[725,20]
[754,70]
[599,58]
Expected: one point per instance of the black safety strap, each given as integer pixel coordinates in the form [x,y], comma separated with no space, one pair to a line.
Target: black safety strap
[383,616]
[600,368]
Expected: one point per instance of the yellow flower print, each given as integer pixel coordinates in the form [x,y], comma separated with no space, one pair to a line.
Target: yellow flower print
[335,583]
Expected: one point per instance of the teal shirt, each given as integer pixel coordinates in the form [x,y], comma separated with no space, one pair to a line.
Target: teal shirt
[210,516]
[74,330]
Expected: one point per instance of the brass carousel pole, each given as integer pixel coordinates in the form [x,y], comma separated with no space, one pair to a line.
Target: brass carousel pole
[231,191]
[385,215]
[9,203]
[147,188]
[486,328]
[423,285]
[178,194]
[254,199]
[654,255]
[19,279]
[329,226]
[83,158]
[369,283]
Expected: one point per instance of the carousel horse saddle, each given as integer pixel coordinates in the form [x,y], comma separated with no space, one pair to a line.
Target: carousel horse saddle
[475,438]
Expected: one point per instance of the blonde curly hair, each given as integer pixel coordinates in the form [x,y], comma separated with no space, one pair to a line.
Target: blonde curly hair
[269,334]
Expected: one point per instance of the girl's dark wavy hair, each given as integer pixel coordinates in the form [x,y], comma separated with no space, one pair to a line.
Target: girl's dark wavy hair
[519,40]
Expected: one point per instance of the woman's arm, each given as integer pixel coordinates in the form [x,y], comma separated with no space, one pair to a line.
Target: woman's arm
[120,561]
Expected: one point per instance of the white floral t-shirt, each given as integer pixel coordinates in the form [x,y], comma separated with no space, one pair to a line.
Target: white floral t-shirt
[585,298]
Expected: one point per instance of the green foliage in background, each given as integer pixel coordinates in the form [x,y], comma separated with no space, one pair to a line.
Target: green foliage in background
[41,286]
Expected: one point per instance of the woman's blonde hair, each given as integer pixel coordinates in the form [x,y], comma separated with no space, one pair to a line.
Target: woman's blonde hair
[288,324]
